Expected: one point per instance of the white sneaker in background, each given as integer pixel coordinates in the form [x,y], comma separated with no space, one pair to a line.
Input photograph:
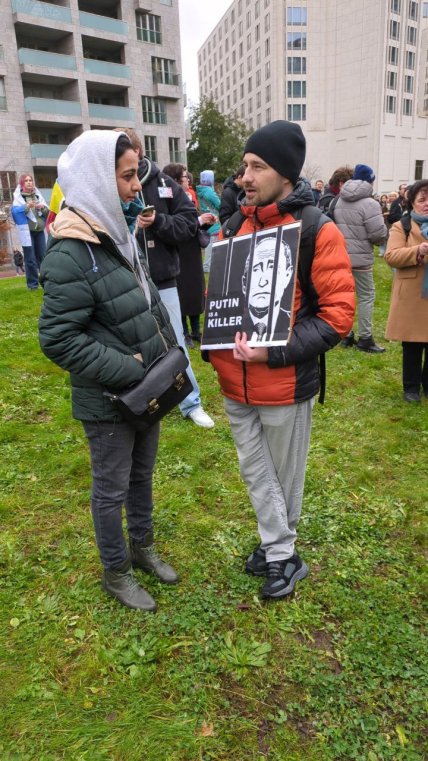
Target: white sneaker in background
[199,417]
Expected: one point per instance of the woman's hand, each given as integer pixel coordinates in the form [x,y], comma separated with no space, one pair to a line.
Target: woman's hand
[145,220]
[207,218]
[246,353]
[423,249]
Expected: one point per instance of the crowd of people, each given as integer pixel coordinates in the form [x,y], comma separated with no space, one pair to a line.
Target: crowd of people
[123,281]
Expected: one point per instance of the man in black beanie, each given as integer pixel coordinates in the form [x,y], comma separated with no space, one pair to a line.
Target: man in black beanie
[269,391]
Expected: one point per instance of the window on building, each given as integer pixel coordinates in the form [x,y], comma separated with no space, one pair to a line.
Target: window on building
[166,2]
[228,101]
[241,91]
[250,84]
[268,116]
[266,3]
[391,80]
[249,41]
[267,46]
[258,77]
[240,29]
[149,28]
[408,84]
[234,76]
[413,10]
[257,9]
[249,63]
[3,102]
[425,10]
[393,55]
[174,150]
[233,57]
[257,33]
[248,19]
[242,111]
[296,65]
[268,93]
[407,107]
[296,112]
[394,29]
[259,121]
[241,70]
[267,22]
[257,56]
[241,50]
[154,110]
[8,183]
[410,59]
[163,71]
[296,89]
[391,104]
[239,7]
[232,17]
[234,97]
[1,53]
[258,99]
[250,105]
[396,6]
[296,40]
[267,70]
[150,148]
[297,16]
[411,35]
[419,169]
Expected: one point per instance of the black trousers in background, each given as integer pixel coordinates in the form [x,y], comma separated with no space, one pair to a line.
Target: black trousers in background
[415,366]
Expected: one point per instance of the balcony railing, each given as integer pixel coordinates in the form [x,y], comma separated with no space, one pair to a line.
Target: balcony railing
[46,150]
[107,68]
[103,23]
[49,60]
[116,114]
[42,10]
[52,106]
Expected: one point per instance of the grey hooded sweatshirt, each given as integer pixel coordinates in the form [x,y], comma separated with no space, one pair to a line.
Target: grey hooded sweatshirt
[359,218]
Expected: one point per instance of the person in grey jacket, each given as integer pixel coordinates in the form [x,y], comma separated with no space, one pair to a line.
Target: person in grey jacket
[103,321]
[360,220]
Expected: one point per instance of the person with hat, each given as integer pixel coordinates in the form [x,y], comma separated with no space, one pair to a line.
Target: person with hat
[359,217]
[208,201]
[269,391]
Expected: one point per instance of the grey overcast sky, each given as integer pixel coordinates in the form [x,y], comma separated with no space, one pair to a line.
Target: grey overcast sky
[197,19]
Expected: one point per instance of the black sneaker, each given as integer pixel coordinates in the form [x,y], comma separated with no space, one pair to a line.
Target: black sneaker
[282,576]
[348,341]
[256,563]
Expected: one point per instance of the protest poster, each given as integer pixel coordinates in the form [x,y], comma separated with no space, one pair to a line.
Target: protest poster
[251,288]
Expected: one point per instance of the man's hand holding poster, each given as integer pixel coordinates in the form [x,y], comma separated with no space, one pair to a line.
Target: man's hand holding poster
[251,288]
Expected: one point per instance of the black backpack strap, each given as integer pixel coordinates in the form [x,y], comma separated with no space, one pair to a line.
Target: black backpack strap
[233,224]
[313,220]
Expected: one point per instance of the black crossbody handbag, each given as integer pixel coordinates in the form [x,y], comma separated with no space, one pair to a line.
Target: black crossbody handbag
[164,385]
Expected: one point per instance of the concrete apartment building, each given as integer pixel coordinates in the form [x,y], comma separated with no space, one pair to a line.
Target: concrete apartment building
[72,65]
[353,73]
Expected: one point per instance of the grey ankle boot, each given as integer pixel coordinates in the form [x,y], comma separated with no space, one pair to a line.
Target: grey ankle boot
[120,583]
[144,556]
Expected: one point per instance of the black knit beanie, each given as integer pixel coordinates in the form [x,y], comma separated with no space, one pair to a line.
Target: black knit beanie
[282,145]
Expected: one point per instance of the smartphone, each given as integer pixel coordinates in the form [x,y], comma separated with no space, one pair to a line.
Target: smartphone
[147,211]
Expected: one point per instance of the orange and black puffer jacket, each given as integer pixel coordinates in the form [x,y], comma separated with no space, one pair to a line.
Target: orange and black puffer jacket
[324,309]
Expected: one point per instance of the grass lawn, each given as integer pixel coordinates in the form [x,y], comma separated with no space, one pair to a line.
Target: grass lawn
[339,672]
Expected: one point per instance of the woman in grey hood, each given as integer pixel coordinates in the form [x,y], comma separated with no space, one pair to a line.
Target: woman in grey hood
[102,320]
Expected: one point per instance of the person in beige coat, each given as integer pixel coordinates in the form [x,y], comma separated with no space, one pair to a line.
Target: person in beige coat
[407,252]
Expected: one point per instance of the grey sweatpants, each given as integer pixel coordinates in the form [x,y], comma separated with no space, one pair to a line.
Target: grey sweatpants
[272,445]
[365,290]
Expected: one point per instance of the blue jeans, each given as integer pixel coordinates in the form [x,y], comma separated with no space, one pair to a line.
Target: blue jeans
[209,251]
[122,462]
[171,300]
[33,257]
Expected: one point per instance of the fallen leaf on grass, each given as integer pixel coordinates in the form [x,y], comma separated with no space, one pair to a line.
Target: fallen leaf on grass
[207,729]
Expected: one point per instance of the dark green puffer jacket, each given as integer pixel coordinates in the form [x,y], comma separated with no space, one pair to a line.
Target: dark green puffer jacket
[95,316]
